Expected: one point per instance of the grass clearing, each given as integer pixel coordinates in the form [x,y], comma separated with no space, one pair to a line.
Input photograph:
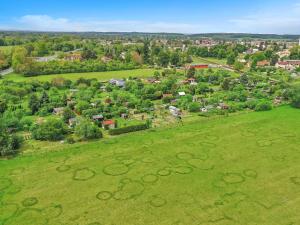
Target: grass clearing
[235,170]
[209,60]
[75,76]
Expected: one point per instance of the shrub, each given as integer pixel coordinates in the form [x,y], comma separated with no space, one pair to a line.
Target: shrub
[263,106]
[194,107]
[51,130]
[87,130]
[9,144]
[128,129]
[296,98]
[70,140]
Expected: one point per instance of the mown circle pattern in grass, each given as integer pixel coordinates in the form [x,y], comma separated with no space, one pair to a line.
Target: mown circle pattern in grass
[200,164]
[128,162]
[157,201]
[28,202]
[116,169]
[210,137]
[184,155]
[59,160]
[250,173]
[150,178]
[295,180]
[207,144]
[63,168]
[83,174]
[129,190]
[164,172]
[148,159]
[264,143]
[5,183]
[104,195]
[28,216]
[219,183]
[233,178]
[183,170]
[186,199]
[52,211]
[248,134]
[202,156]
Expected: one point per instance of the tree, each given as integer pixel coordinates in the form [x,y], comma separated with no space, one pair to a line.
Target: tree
[175,59]
[9,143]
[19,58]
[191,72]
[238,66]
[230,59]
[87,130]
[146,51]
[295,98]
[34,104]
[89,54]
[51,130]
[163,59]
[226,84]
[67,114]
[44,99]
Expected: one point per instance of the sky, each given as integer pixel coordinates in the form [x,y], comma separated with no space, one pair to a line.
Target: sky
[172,16]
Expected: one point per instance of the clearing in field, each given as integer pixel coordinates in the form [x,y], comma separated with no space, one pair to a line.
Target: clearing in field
[75,76]
[237,170]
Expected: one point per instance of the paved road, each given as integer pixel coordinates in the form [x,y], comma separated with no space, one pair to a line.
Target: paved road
[7,71]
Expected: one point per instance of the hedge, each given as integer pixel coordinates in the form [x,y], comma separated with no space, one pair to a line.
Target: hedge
[128,129]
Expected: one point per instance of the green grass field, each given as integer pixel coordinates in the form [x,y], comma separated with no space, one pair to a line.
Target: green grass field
[237,170]
[75,76]
[209,60]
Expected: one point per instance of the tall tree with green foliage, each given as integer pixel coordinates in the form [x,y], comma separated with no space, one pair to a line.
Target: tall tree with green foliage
[34,104]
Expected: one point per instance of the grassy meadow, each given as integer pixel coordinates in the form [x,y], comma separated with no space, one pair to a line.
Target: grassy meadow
[75,76]
[235,170]
[209,60]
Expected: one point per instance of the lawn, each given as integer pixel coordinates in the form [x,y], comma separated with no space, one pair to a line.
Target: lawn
[209,60]
[74,76]
[235,170]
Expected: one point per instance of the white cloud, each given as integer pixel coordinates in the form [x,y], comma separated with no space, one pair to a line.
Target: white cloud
[279,21]
[47,23]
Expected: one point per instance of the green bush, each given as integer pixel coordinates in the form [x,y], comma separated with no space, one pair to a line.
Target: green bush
[194,107]
[87,130]
[70,140]
[128,129]
[296,97]
[51,130]
[263,106]
[9,144]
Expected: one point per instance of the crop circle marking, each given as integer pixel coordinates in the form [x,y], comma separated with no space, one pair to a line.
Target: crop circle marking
[83,174]
[28,202]
[149,178]
[104,195]
[116,169]
[233,178]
